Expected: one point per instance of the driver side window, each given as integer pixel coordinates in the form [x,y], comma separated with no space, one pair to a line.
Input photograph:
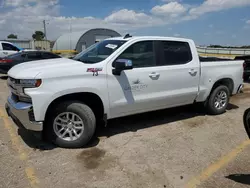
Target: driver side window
[141,53]
[9,47]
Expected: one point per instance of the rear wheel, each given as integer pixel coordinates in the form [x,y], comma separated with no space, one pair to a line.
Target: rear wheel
[71,125]
[246,120]
[218,100]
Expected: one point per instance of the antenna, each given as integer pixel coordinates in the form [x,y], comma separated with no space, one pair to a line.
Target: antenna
[127,36]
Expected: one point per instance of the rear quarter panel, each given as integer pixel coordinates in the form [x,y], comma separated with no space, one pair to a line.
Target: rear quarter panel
[213,71]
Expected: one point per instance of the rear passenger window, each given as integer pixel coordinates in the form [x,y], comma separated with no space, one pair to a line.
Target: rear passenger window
[34,56]
[18,57]
[176,53]
[49,56]
[141,54]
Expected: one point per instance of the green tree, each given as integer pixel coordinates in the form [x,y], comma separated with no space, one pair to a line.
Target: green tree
[12,36]
[38,35]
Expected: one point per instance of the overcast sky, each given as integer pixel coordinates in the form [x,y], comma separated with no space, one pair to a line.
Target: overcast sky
[225,22]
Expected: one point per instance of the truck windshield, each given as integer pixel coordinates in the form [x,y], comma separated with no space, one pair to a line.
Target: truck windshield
[99,51]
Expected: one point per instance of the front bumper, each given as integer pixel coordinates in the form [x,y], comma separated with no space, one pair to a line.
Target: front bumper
[21,111]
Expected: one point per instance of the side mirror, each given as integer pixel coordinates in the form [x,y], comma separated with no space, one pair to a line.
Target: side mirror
[120,65]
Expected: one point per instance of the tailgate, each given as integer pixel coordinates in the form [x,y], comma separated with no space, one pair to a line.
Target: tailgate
[246,59]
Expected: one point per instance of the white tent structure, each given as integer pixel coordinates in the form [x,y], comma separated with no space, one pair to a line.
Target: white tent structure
[78,41]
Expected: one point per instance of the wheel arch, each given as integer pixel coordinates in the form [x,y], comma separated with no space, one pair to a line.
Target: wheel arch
[92,100]
[228,82]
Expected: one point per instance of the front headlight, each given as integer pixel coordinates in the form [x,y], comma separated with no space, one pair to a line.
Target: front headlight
[30,83]
[25,84]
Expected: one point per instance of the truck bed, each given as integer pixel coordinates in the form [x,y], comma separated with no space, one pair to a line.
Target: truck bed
[207,59]
[212,71]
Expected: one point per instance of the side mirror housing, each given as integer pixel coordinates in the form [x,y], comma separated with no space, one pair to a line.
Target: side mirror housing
[120,65]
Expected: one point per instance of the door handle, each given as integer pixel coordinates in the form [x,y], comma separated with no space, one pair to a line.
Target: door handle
[192,72]
[154,74]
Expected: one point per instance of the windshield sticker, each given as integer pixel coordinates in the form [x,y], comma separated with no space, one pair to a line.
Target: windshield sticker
[94,71]
[112,46]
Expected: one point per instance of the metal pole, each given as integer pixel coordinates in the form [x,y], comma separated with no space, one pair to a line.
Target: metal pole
[70,29]
[44,27]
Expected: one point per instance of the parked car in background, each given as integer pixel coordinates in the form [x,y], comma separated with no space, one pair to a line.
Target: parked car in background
[7,48]
[117,77]
[8,62]
[246,120]
[246,58]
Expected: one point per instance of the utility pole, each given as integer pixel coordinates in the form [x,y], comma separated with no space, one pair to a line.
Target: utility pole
[44,27]
[70,29]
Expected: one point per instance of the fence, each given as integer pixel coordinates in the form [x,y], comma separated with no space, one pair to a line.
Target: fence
[31,44]
[227,52]
[40,45]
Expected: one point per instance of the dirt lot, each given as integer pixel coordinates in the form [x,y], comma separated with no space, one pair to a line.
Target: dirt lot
[179,147]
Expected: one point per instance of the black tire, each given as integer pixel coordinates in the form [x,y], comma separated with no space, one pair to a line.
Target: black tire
[246,120]
[84,112]
[211,100]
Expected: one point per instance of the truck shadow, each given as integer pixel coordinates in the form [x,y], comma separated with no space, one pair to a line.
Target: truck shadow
[124,124]
[155,118]
[32,139]
[240,178]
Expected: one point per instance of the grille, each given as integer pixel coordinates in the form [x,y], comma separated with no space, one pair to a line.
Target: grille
[14,85]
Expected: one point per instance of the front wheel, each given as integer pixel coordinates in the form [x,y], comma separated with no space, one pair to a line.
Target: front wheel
[71,125]
[218,100]
[246,120]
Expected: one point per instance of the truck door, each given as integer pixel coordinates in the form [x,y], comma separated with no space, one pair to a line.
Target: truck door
[9,49]
[134,90]
[179,73]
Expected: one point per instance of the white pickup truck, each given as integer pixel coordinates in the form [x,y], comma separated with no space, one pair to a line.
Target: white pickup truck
[65,98]
[7,48]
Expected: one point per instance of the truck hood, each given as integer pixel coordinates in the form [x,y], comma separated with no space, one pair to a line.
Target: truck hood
[45,68]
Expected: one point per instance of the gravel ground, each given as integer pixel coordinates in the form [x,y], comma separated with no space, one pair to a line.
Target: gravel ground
[166,148]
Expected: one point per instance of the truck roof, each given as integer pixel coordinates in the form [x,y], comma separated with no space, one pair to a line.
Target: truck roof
[5,42]
[150,38]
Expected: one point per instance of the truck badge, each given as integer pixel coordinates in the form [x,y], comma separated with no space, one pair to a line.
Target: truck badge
[94,71]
